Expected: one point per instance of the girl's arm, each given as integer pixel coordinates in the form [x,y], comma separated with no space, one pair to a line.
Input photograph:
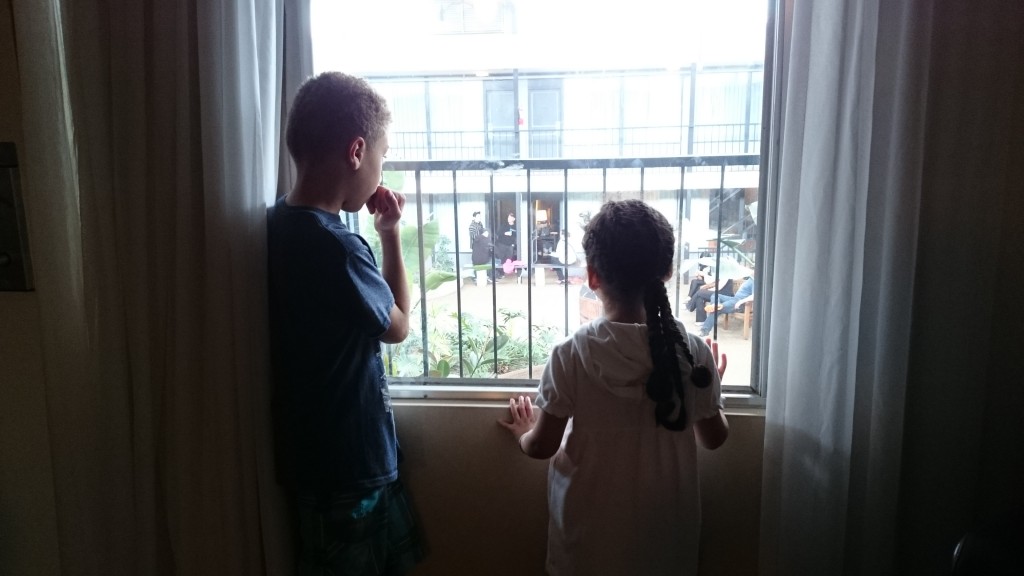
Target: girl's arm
[712,432]
[538,433]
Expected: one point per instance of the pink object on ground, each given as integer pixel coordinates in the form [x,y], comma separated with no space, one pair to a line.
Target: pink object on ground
[509,266]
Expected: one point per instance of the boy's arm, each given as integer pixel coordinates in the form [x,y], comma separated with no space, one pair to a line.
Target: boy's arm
[386,206]
[394,274]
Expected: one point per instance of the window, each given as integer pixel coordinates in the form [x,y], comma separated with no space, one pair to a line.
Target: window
[502,118]
[545,117]
[535,137]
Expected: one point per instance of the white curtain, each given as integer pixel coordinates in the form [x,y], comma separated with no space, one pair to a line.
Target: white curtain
[892,357]
[152,136]
[842,279]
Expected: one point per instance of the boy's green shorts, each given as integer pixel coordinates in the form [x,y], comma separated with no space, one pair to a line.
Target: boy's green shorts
[372,533]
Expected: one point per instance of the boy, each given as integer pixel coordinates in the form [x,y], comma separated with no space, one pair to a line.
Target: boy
[330,309]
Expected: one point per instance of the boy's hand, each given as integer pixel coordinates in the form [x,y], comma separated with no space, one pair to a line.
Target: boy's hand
[386,206]
[523,416]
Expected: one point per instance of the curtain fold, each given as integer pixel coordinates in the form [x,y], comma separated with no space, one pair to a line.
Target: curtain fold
[842,280]
[152,285]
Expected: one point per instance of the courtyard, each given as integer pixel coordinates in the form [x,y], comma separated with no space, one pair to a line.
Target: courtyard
[543,307]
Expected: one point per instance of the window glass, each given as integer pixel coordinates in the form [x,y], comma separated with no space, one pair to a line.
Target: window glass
[501,119]
[408,104]
[502,110]
[594,101]
[455,109]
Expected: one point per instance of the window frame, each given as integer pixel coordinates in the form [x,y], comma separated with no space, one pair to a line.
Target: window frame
[486,389]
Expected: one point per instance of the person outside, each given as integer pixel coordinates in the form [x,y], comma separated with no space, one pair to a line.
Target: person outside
[623,404]
[476,229]
[481,247]
[728,305]
[700,280]
[563,261]
[506,240]
[330,309]
[701,295]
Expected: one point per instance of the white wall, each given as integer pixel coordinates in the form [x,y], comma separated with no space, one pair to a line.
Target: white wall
[483,504]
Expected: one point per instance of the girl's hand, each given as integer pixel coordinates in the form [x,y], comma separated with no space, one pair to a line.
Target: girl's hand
[719,363]
[386,206]
[523,416]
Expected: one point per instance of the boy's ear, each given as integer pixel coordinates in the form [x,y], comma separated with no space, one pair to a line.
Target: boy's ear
[355,152]
[593,280]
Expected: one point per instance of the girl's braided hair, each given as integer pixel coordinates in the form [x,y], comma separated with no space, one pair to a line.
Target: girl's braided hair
[630,245]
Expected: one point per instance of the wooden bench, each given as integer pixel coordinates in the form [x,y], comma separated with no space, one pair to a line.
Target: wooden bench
[539,272]
[746,313]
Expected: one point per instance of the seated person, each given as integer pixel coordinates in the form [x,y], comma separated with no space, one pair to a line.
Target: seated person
[705,293]
[483,253]
[728,305]
[698,282]
[559,253]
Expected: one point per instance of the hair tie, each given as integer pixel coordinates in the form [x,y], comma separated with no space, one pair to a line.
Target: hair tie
[701,376]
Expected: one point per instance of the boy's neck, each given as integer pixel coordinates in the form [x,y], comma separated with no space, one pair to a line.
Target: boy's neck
[318,189]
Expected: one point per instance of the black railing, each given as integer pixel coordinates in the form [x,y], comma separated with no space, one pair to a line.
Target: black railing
[471,347]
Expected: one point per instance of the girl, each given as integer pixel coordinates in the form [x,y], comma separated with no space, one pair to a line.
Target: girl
[623,404]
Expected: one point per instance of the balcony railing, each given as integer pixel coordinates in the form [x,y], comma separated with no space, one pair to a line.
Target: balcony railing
[635,141]
[468,332]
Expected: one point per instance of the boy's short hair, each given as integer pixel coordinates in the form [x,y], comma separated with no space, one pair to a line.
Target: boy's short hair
[329,112]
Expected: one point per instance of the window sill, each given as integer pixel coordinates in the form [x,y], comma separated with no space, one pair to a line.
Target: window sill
[486,393]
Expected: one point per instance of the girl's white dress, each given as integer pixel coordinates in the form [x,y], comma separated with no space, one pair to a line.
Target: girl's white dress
[623,493]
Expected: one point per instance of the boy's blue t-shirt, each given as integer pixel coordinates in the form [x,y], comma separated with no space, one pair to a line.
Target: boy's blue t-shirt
[329,304]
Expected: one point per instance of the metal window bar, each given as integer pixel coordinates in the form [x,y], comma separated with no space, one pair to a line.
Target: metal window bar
[565,247]
[531,219]
[458,267]
[529,166]
[718,252]
[424,334]
[494,281]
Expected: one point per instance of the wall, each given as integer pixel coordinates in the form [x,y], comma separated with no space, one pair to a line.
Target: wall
[483,504]
[28,524]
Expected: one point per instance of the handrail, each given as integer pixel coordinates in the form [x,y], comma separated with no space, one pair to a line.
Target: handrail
[711,161]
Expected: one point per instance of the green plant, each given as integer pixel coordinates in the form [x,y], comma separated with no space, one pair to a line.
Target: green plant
[409,236]
[442,259]
[485,349]
[481,345]
[406,358]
